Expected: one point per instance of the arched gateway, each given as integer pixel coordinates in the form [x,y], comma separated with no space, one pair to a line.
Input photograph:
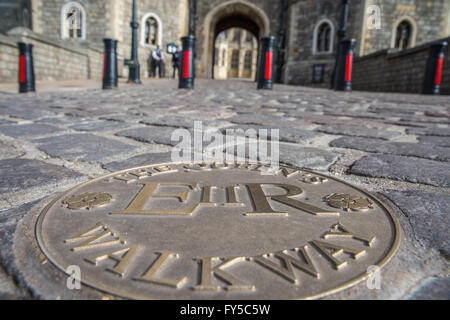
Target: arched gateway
[235,13]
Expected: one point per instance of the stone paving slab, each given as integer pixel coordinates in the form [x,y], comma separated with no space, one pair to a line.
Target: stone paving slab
[22,174]
[284,134]
[403,168]
[433,131]
[18,130]
[397,148]
[435,140]
[433,289]
[160,135]
[305,157]
[297,156]
[170,121]
[138,161]
[429,216]
[358,131]
[97,126]
[81,147]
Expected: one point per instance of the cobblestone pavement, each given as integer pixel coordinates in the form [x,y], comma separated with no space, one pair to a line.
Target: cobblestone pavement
[394,145]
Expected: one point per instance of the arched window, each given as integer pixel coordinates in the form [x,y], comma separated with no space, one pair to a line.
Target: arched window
[323,37]
[235,59]
[403,35]
[248,60]
[73,21]
[26,18]
[151,30]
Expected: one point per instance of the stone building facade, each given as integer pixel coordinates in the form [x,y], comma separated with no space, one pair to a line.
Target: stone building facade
[98,19]
[306,30]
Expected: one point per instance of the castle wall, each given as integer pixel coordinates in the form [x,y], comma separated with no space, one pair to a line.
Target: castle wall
[53,59]
[404,71]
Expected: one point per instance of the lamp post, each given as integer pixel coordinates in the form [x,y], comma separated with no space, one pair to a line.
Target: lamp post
[281,45]
[133,63]
[341,36]
[192,16]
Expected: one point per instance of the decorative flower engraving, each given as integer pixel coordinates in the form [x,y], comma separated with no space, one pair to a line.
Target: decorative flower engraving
[349,202]
[87,200]
[312,179]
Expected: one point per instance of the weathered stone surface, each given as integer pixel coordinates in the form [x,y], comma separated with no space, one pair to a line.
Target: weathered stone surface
[29,113]
[82,147]
[11,287]
[98,126]
[305,157]
[358,131]
[21,174]
[397,148]
[3,122]
[435,140]
[19,130]
[428,214]
[433,131]
[121,118]
[432,289]
[256,119]
[417,118]
[160,135]
[285,134]
[170,121]
[403,168]
[8,151]
[354,114]
[137,161]
[290,154]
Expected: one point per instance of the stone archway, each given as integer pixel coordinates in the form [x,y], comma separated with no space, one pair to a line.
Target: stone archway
[234,13]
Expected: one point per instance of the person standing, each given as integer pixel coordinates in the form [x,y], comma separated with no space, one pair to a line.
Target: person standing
[176,61]
[158,59]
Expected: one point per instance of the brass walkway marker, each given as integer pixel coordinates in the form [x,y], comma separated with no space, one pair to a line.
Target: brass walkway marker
[206,231]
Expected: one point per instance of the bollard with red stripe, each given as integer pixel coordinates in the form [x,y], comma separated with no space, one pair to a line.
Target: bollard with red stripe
[187,72]
[435,64]
[26,68]
[345,65]
[110,72]
[265,72]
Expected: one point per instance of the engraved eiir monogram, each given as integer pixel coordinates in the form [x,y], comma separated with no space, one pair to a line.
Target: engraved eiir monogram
[258,198]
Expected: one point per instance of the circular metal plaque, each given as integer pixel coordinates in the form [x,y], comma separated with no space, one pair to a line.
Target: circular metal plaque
[204,231]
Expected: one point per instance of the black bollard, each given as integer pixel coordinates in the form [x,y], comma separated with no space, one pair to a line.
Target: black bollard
[345,65]
[187,72]
[265,72]
[433,73]
[26,68]
[110,74]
